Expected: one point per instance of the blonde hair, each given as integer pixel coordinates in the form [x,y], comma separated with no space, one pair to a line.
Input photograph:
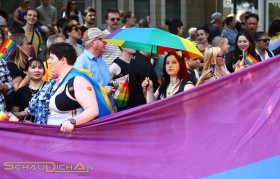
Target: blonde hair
[16,55]
[210,56]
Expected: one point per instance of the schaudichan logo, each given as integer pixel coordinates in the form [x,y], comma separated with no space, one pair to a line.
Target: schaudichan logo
[49,167]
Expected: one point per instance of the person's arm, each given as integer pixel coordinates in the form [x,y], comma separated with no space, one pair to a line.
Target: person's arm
[85,96]
[114,70]
[6,83]
[64,15]
[24,82]
[54,19]
[19,114]
[19,82]
[15,17]
[188,86]
[147,86]
[204,76]
[80,18]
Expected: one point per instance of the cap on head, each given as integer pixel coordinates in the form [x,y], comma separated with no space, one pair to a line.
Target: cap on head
[215,16]
[93,33]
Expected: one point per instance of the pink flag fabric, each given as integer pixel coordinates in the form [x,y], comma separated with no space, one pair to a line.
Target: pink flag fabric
[228,128]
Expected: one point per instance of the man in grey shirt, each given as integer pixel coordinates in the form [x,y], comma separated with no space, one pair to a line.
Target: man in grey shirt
[48,17]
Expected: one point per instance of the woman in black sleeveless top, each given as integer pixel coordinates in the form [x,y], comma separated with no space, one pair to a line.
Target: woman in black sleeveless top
[175,78]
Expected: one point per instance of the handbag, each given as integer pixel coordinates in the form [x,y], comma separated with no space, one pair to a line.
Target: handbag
[123,96]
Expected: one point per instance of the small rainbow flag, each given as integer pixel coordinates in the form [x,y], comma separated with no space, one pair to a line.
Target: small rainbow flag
[6,48]
[4,116]
[251,60]
[123,96]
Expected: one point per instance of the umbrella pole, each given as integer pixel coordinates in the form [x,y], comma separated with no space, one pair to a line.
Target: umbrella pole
[150,61]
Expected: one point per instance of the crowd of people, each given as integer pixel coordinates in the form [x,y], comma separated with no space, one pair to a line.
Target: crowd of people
[62,72]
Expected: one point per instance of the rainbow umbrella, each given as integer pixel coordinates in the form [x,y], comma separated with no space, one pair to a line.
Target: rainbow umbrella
[152,40]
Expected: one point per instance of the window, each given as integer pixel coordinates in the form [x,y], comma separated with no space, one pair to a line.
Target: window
[173,9]
[106,4]
[141,9]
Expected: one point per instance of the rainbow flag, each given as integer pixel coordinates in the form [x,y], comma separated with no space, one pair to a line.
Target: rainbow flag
[123,96]
[13,117]
[7,116]
[6,48]
[251,60]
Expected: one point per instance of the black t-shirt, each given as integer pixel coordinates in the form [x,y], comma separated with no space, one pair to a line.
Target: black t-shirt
[23,96]
[140,68]
[192,75]
[83,28]
[15,72]
[124,68]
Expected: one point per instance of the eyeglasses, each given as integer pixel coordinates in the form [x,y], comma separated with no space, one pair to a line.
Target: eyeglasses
[264,40]
[76,29]
[221,56]
[73,3]
[113,19]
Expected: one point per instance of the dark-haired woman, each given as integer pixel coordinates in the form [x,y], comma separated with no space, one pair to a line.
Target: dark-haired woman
[72,9]
[203,36]
[175,77]
[35,71]
[244,46]
[175,26]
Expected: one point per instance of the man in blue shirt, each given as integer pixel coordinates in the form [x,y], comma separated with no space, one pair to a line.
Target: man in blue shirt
[92,60]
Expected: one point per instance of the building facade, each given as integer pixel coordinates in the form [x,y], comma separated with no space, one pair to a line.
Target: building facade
[192,13]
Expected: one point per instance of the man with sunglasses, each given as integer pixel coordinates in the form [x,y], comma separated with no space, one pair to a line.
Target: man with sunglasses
[72,33]
[262,43]
[111,51]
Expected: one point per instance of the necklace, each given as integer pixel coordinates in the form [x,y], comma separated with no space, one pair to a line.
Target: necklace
[34,89]
[173,83]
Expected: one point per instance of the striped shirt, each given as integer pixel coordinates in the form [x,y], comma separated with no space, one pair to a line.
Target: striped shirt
[111,52]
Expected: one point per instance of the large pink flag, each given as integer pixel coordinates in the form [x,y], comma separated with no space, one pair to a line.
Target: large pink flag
[228,128]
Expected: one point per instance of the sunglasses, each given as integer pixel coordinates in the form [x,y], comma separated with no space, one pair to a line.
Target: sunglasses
[113,19]
[221,56]
[76,29]
[264,40]
[73,3]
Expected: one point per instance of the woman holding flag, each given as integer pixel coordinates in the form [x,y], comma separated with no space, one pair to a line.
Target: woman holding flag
[17,60]
[244,54]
